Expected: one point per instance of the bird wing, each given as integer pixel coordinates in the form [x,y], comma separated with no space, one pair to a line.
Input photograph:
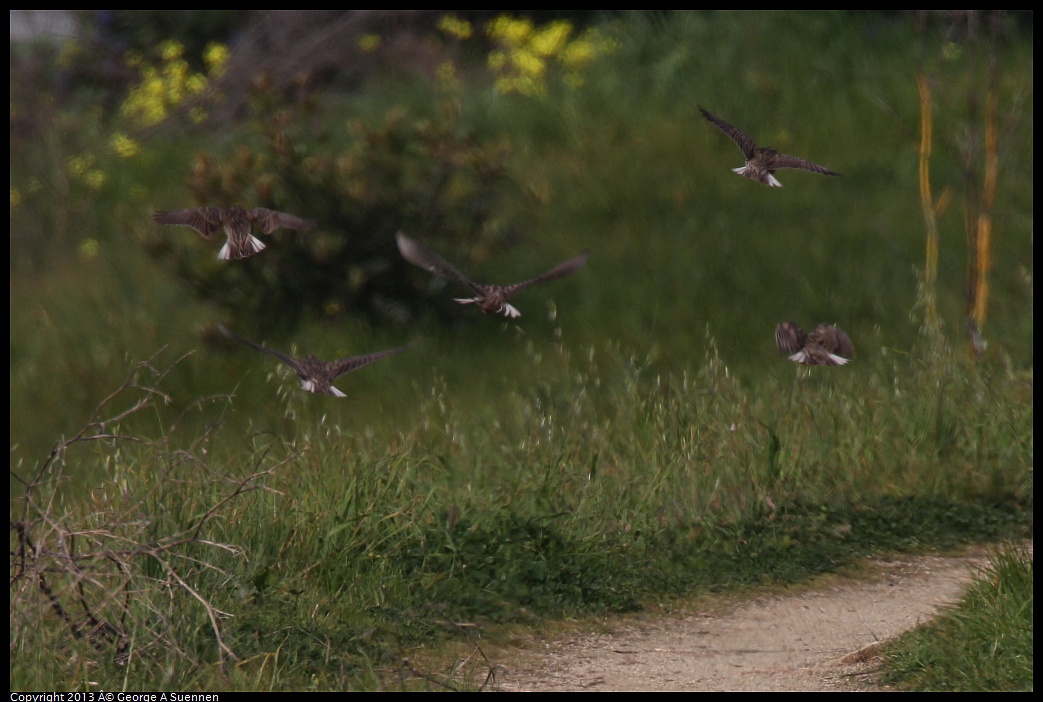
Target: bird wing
[788,161]
[429,260]
[341,366]
[744,142]
[205,220]
[559,271]
[790,338]
[836,341]
[288,360]
[270,220]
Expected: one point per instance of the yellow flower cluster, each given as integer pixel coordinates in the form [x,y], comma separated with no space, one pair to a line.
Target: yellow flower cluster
[18,195]
[215,56]
[456,27]
[82,168]
[166,86]
[446,76]
[89,249]
[369,43]
[124,145]
[524,53]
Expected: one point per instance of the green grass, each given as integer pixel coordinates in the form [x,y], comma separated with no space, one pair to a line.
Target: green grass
[633,437]
[594,493]
[983,643]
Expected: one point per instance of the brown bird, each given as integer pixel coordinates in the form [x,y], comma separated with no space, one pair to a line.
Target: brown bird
[826,346]
[237,223]
[492,299]
[762,161]
[317,376]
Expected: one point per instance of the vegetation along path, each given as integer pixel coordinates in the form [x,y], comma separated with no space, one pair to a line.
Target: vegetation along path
[822,638]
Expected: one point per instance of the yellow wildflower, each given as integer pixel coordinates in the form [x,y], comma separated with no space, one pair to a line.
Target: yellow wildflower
[171,50]
[88,249]
[94,179]
[167,86]
[510,31]
[528,63]
[522,55]
[550,40]
[446,74]
[216,58]
[124,145]
[369,43]
[496,60]
[78,165]
[454,26]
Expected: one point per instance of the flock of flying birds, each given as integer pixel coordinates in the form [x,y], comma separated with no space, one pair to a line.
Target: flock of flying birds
[827,345]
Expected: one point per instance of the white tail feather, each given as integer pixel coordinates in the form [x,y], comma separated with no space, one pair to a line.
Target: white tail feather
[803,357]
[253,242]
[768,179]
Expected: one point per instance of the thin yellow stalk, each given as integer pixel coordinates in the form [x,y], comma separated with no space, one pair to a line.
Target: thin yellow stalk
[984,242]
[926,201]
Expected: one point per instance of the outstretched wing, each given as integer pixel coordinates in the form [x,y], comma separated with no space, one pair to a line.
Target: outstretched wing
[429,260]
[559,271]
[788,161]
[205,220]
[790,338]
[341,366]
[744,142]
[288,360]
[270,220]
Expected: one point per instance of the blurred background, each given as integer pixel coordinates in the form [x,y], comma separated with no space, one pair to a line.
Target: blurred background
[183,516]
[507,142]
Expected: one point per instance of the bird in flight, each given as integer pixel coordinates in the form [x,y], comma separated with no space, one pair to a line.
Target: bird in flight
[762,161]
[826,346]
[491,299]
[317,376]
[238,224]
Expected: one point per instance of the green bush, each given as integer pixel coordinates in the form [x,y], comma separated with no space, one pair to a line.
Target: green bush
[362,183]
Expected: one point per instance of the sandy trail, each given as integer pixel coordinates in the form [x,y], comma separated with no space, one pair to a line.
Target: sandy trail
[813,639]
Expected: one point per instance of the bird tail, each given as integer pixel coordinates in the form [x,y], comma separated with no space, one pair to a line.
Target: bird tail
[808,359]
[241,249]
[766,178]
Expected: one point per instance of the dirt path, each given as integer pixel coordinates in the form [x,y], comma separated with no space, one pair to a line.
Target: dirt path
[811,640]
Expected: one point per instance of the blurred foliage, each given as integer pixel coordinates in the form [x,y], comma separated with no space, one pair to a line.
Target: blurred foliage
[145,32]
[164,86]
[425,175]
[524,51]
[97,66]
[512,476]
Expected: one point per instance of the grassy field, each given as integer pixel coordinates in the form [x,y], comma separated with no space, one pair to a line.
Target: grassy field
[203,524]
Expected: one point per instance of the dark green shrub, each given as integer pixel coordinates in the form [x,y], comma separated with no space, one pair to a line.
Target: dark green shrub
[362,183]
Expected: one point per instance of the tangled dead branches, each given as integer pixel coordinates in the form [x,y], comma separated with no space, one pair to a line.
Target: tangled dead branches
[113,569]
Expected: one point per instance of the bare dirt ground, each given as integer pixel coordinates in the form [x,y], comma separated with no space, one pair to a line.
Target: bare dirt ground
[821,637]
